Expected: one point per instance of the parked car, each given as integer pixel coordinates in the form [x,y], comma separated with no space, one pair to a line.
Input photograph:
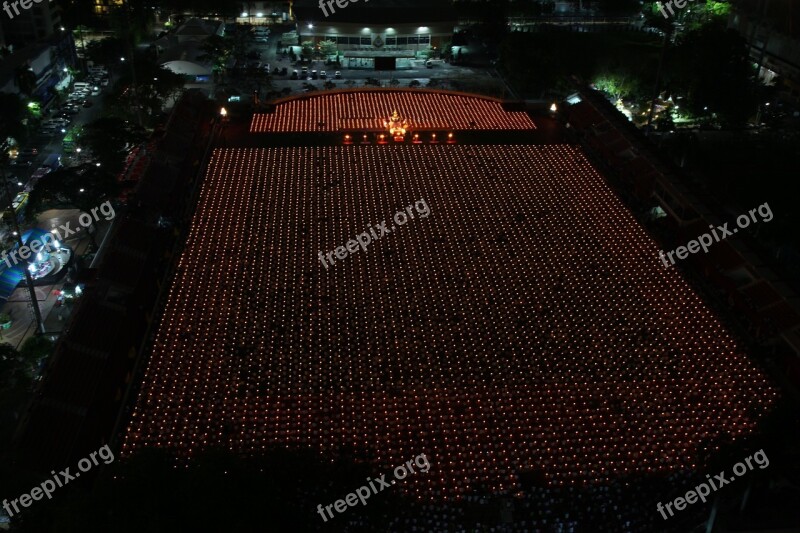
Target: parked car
[323,75]
[53,162]
[96,91]
[314,75]
[104,82]
[337,75]
[294,75]
[28,152]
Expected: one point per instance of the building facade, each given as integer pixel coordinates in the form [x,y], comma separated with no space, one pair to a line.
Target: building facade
[391,25]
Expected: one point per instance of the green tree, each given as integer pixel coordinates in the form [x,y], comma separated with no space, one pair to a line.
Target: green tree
[36,348]
[710,67]
[216,51]
[82,187]
[618,85]
[308,49]
[327,48]
[11,367]
[110,139]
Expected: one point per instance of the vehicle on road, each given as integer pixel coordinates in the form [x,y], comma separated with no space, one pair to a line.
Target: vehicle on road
[314,75]
[323,75]
[294,75]
[87,103]
[52,161]
[337,75]
[17,208]
[28,152]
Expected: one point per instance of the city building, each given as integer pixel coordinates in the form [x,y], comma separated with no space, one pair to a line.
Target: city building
[773,35]
[36,23]
[380,34]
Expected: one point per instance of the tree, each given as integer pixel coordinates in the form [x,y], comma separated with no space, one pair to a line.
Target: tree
[216,51]
[14,119]
[82,187]
[308,49]
[106,51]
[10,365]
[327,48]
[711,68]
[36,348]
[154,86]
[25,79]
[110,139]
[618,85]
